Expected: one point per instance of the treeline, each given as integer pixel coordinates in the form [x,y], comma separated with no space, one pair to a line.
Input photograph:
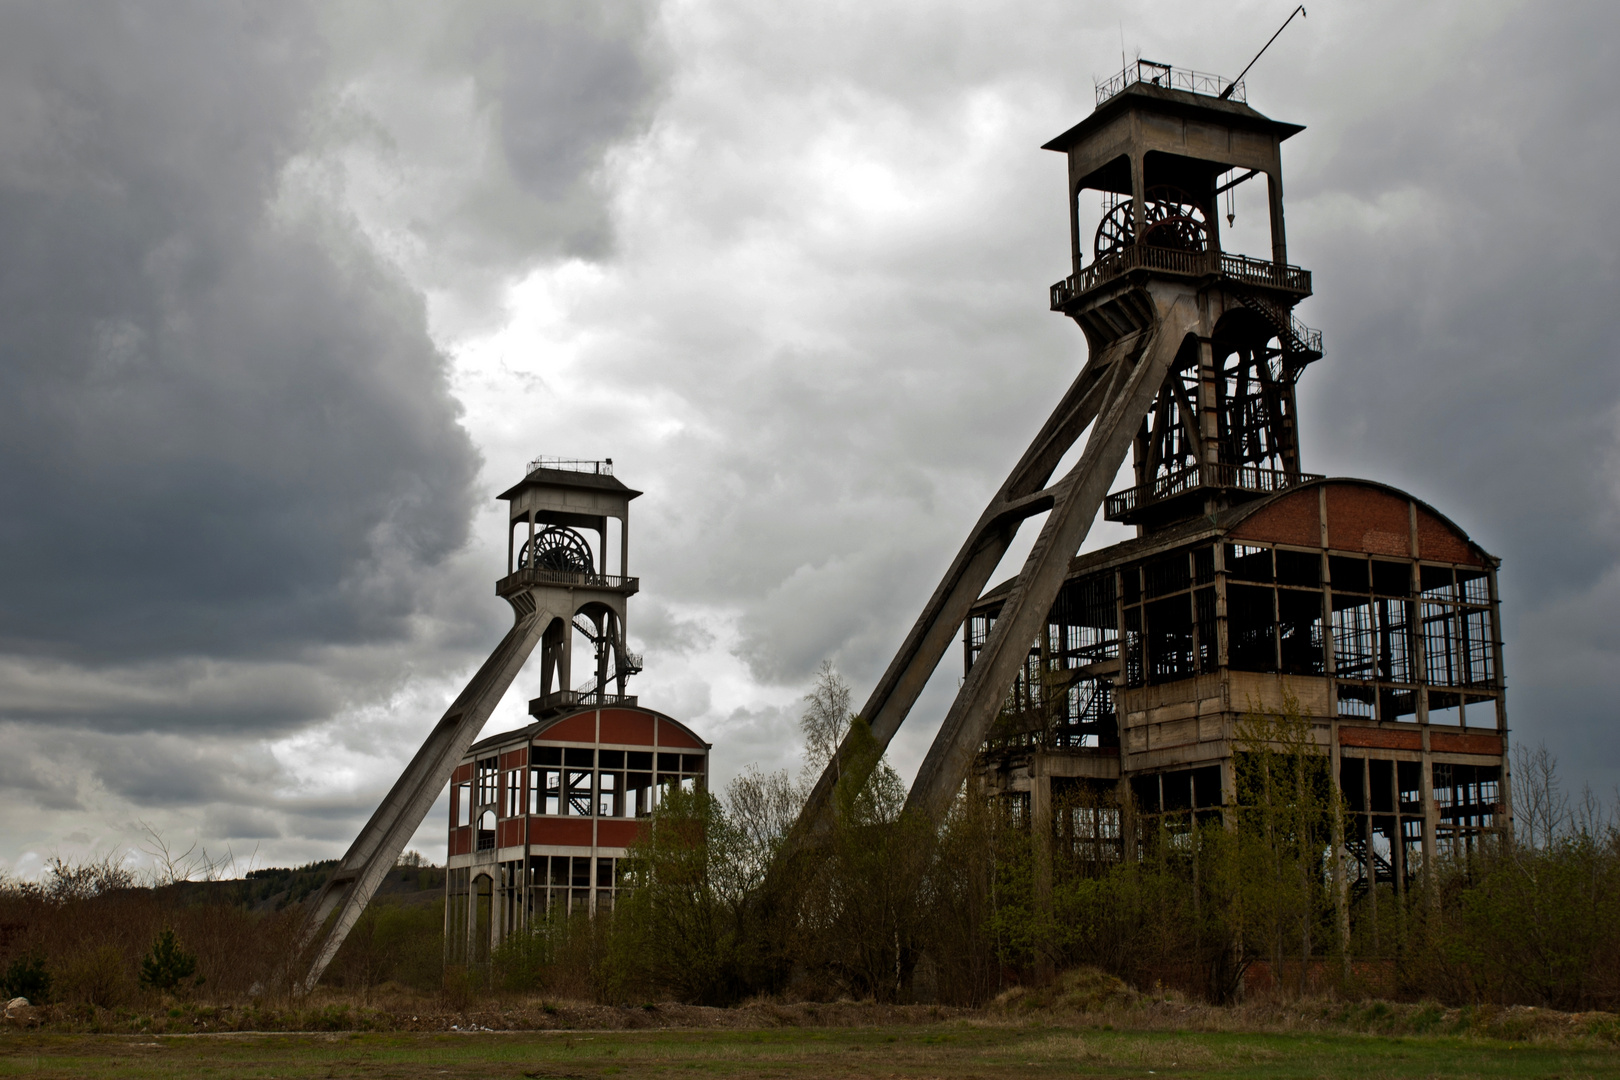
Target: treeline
[1252,898]
[95,935]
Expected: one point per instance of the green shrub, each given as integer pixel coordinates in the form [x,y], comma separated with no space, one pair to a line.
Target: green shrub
[167,965]
[26,977]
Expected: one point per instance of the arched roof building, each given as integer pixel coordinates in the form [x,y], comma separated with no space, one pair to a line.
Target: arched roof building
[1355,604]
[540,817]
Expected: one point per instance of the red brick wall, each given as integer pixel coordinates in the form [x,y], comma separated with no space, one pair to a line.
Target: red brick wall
[574,832]
[1451,742]
[670,735]
[617,833]
[1368,519]
[1380,738]
[627,728]
[1440,542]
[581,728]
[1292,519]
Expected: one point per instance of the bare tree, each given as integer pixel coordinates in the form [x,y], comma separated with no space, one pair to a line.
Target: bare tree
[825,720]
[761,807]
[1541,810]
[194,864]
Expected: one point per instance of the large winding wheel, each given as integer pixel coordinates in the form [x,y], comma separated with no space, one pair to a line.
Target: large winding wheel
[1173,220]
[556,548]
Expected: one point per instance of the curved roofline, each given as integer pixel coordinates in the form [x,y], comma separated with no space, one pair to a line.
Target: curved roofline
[1247,510]
[1192,530]
[540,727]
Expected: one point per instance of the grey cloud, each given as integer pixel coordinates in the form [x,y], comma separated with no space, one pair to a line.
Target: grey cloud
[215,421]
[1466,277]
[235,481]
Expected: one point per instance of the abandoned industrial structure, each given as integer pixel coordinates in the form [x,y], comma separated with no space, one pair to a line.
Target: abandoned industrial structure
[540,817]
[1250,587]
[1100,689]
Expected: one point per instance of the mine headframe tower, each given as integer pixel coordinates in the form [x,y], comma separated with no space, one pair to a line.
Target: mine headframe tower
[1194,353]
[556,587]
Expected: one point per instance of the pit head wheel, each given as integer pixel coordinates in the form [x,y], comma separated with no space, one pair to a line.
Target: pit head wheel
[1173,220]
[558,549]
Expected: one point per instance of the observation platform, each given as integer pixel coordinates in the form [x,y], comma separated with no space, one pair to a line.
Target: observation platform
[1166,497]
[1292,283]
[565,700]
[524,578]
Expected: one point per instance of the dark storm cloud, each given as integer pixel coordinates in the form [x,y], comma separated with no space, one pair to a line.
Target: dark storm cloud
[216,420]
[233,476]
[1467,270]
[226,430]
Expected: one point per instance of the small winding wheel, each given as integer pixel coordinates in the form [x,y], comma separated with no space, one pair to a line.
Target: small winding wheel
[1173,220]
[558,549]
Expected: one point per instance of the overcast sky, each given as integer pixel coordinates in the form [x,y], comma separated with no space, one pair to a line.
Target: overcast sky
[289,292]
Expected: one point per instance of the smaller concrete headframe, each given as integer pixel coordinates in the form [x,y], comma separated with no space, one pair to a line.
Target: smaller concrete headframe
[557,584]
[554,565]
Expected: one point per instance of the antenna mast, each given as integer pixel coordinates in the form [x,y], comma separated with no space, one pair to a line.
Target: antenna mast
[1224,94]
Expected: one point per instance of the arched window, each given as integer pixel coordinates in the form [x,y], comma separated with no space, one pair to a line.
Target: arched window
[486,831]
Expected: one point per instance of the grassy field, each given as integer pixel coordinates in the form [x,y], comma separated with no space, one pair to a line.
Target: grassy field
[955,1049]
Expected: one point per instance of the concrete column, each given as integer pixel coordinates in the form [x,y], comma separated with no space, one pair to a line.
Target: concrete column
[565,658]
[1138,195]
[1078,255]
[1431,820]
[624,544]
[1040,836]
[605,645]
[1279,238]
[1209,427]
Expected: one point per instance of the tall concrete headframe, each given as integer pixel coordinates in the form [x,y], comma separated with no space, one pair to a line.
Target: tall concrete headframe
[1250,582]
[561,587]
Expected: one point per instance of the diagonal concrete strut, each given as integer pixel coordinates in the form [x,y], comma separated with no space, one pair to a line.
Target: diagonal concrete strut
[1112,394]
[377,848]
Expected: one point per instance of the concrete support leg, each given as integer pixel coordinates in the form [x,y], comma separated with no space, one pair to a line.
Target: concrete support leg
[1040,839]
[374,852]
[1076,500]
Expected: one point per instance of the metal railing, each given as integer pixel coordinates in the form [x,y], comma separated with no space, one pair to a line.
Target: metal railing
[578,699]
[600,468]
[1265,272]
[1172,78]
[529,576]
[1241,268]
[1241,477]
[1311,339]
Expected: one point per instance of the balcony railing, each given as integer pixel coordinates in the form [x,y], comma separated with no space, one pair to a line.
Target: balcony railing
[1241,477]
[604,467]
[527,576]
[577,699]
[1173,78]
[1240,268]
